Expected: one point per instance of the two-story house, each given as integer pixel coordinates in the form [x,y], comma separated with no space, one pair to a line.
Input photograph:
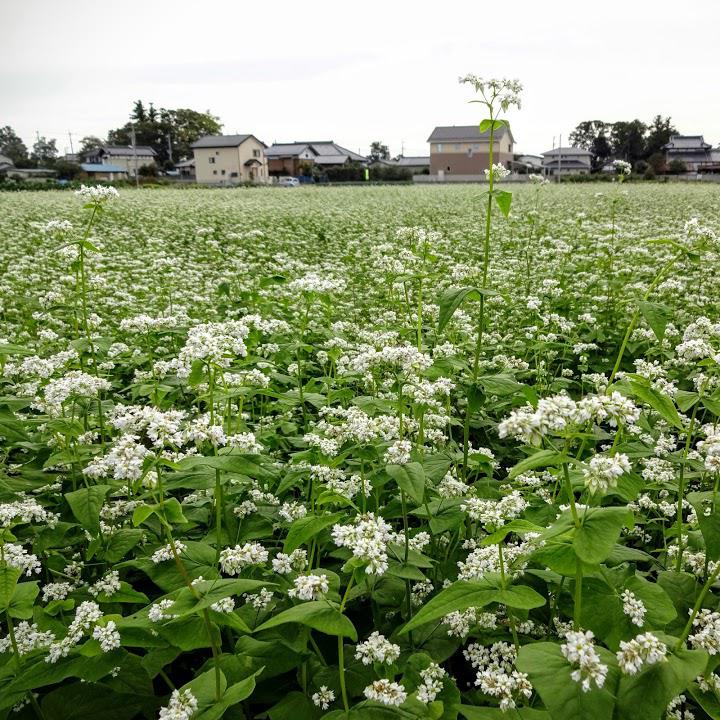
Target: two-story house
[464,150]
[567,161]
[126,157]
[230,159]
[296,157]
[690,149]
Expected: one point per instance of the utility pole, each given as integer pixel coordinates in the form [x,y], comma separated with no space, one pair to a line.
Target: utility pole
[559,158]
[72,151]
[134,147]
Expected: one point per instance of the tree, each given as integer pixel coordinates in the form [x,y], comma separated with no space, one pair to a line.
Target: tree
[378,151]
[184,126]
[138,113]
[659,133]
[677,166]
[89,144]
[13,147]
[628,140]
[591,135]
[44,151]
[586,133]
[67,170]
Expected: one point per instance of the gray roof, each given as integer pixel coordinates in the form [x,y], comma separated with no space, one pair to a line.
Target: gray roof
[101,168]
[124,150]
[567,152]
[464,133]
[566,163]
[221,141]
[186,163]
[687,142]
[325,152]
[413,161]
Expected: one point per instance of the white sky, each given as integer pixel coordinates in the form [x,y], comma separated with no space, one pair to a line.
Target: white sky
[357,71]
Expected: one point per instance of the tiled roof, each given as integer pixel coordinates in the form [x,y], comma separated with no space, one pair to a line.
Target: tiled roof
[464,133]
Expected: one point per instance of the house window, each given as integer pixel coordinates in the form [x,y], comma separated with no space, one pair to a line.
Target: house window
[438,147]
[214,172]
[222,172]
[456,146]
[476,146]
[233,174]
[256,153]
[211,160]
[217,152]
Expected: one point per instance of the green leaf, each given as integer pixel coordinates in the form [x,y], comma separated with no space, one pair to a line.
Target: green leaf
[317,614]
[658,604]
[708,515]
[410,479]
[685,400]
[490,713]
[600,530]
[9,576]
[500,384]
[461,595]
[646,695]
[451,300]
[503,200]
[85,505]
[657,317]
[521,597]
[542,458]
[662,404]
[550,674]
[306,528]
[21,603]
[489,124]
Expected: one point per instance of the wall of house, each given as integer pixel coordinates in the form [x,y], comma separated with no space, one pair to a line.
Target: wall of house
[459,163]
[128,163]
[502,144]
[226,166]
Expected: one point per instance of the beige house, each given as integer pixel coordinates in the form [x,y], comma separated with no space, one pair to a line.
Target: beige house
[230,159]
[464,150]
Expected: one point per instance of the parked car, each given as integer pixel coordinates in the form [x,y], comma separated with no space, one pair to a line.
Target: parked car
[288,182]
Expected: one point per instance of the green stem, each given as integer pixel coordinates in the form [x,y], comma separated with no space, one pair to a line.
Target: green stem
[341,650]
[681,487]
[697,606]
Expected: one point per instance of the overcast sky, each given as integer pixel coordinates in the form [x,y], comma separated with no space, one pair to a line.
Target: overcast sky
[357,71]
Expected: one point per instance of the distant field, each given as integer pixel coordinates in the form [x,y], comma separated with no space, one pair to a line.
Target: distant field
[242,430]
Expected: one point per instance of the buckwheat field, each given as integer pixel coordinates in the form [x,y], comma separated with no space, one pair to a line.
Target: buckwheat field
[380,452]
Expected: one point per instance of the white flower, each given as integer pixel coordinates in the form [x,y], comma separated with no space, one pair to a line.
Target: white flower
[107,636]
[233,560]
[377,649]
[432,683]
[164,554]
[323,697]
[367,538]
[158,611]
[707,635]
[97,193]
[224,605]
[309,587]
[182,705]
[645,649]
[580,652]
[603,472]
[633,608]
[386,692]
[398,453]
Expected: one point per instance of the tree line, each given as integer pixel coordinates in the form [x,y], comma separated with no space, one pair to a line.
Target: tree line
[638,143]
[170,133]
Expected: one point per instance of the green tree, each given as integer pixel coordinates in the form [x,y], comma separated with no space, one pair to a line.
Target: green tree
[677,166]
[13,147]
[87,145]
[67,170]
[44,151]
[138,113]
[586,132]
[183,125]
[628,140]
[659,133]
[378,151]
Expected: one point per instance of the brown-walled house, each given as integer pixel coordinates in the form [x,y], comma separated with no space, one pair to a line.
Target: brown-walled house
[464,150]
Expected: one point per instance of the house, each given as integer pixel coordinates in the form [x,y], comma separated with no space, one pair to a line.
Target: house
[296,158]
[127,157]
[567,161]
[6,164]
[104,171]
[464,150]
[415,165]
[527,164]
[29,174]
[230,159]
[186,169]
[690,149]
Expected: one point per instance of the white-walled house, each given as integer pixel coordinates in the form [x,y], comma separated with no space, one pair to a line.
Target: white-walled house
[230,160]
[567,161]
[125,157]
